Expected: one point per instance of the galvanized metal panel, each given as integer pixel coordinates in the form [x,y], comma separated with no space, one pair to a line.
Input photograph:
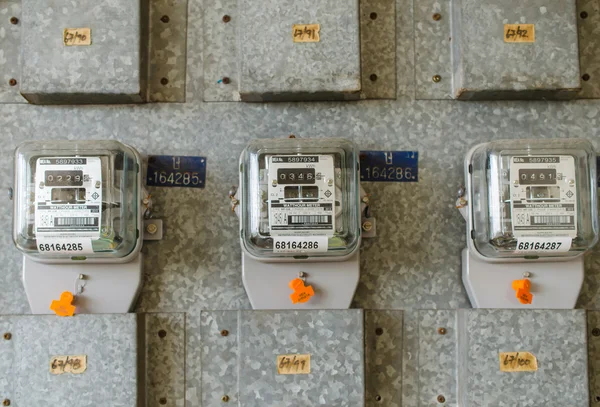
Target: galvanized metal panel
[109,341]
[588,12]
[593,335]
[10,56]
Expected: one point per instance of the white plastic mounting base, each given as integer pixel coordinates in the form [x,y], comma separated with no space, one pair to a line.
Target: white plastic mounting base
[554,285]
[267,284]
[109,288]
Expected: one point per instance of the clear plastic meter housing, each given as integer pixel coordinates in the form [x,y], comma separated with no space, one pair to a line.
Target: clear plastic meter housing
[77,200]
[300,187]
[532,190]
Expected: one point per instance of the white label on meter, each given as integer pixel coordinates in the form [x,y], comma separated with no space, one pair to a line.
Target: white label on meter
[301,195]
[544,244]
[300,244]
[543,196]
[68,204]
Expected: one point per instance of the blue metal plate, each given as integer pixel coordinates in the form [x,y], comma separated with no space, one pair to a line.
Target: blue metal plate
[389,166]
[176,171]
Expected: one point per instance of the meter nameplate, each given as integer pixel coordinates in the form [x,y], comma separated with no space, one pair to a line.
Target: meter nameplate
[77,36]
[176,171]
[300,244]
[302,195]
[306,32]
[518,362]
[389,166]
[543,196]
[68,364]
[519,33]
[68,204]
[293,364]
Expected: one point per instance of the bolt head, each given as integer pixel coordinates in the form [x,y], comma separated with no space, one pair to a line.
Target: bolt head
[373,16]
[7,336]
[379,331]
[226,80]
[152,228]
[437,78]
[526,274]
[165,19]
[162,333]
[14,20]
[442,331]
[441,399]
[12,82]
[6,402]
[164,81]
[596,331]
[437,17]
[224,332]
[162,401]
[225,398]
[367,226]
[226,18]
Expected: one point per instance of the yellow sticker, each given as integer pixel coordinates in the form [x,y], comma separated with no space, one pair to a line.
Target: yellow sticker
[519,33]
[68,364]
[77,36]
[293,364]
[306,32]
[518,362]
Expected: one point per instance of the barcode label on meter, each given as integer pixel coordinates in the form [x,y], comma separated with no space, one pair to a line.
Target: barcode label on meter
[75,221]
[309,219]
[552,220]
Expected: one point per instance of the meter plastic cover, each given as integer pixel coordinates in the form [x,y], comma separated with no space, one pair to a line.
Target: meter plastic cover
[77,201]
[300,199]
[532,198]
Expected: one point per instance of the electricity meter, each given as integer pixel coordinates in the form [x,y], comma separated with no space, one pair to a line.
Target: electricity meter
[531,211]
[77,221]
[300,217]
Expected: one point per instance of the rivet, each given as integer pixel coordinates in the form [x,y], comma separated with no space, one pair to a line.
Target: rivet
[597,399]
[14,20]
[8,336]
[224,332]
[302,274]
[162,333]
[373,77]
[583,14]
[442,331]
[596,331]
[225,398]
[378,398]
[164,81]
[436,78]
[526,274]
[291,136]
[373,16]
[6,402]
[165,19]
[226,18]
[226,80]
[163,400]
[437,17]
[12,82]
[379,331]
[585,77]
[441,399]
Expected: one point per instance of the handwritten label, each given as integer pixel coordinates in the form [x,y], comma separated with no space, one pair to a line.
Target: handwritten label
[518,362]
[68,364]
[293,364]
[77,36]
[519,33]
[306,32]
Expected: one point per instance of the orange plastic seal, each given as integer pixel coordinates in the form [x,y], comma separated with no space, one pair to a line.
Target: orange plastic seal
[64,306]
[523,289]
[301,292]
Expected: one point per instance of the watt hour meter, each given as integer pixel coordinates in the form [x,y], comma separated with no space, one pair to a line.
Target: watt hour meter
[531,211]
[300,218]
[77,220]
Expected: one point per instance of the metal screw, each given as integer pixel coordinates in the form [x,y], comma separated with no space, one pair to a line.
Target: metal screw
[10,193]
[164,81]
[224,332]
[14,20]
[596,331]
[6,402]
[226,80]
[437,78]
[163,400]
[162,333]
[226,18]
[526,274]
[437,16]
[7,336]
[98,184]
[441,399]
[367,226]
[571,182]
[378,398]
[274,183]
[165,19]
[583,14]
[597,399]
[225,398]
[379,331]
[373,16]
[442,331]
[152,228]
[302,274]
[373,77]
[585,77]
[12,82]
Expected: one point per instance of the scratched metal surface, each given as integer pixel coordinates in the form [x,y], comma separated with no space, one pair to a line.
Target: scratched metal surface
[593,334]
[109,341]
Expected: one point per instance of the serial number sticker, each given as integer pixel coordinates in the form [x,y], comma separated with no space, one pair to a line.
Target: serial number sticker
[519,33]
[389,166]
[293,364]
[306,32]
[68,364]
[544,245]
[300,244]
[176,171]
[518,362]
[64,245]
[77,36]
